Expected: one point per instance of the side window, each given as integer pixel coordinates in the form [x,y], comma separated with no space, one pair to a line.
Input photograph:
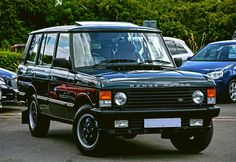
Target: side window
[47,49]
[180,48]
[171,46]
[63,46]
[31,56]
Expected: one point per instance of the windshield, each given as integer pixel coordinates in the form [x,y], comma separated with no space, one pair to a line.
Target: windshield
[213,52]
[94,48]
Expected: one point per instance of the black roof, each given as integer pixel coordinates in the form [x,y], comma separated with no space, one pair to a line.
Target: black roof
[97,26]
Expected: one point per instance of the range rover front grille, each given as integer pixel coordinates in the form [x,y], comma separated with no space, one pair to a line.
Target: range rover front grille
[162,98]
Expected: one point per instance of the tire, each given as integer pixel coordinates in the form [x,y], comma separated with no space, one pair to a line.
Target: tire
[232,91]
[192,143]
[87,137]
[38,124]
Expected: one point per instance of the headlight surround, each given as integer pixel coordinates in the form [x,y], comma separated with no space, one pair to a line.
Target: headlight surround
[198,97]
[216,74]
[120,98]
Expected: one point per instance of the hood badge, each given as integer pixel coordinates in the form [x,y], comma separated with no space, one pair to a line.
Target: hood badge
[159,84]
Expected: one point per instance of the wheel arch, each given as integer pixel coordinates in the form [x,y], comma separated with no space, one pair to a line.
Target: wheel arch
[82,99]
[29,92]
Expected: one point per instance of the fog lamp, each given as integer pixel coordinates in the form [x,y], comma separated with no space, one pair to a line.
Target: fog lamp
[121,124]
[196,122]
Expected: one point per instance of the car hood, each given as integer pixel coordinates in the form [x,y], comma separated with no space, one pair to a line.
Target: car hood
[7,74]
[149,79]
[206,66]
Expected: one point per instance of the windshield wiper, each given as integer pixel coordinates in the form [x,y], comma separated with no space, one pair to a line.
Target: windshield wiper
[118,60]
[154,61]
[104,62]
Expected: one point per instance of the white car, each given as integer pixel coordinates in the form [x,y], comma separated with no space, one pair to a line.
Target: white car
[178,48]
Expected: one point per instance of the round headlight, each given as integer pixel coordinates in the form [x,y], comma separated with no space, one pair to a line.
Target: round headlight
[120,98]
[198,96]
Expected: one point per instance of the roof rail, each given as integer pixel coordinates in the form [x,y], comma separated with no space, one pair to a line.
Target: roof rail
[104,23]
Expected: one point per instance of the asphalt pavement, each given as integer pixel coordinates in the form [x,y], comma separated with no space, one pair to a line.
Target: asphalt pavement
[17,145]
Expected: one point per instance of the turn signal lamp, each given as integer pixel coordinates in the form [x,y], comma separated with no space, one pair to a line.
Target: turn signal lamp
[105,98]
[211,96]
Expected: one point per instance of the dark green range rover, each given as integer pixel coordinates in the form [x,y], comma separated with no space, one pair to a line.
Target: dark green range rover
[113,78]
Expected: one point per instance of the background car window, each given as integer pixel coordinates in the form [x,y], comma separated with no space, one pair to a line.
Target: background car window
[180,48]
[31,57]
[211,53]
[232,52]
[47,48]
[63,46]
[171,46]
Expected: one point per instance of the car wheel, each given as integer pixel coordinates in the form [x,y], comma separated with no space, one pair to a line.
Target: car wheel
[38,124]
[86,133]
[192,143]
[232,91]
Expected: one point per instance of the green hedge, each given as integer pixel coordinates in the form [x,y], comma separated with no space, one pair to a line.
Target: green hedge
[10,60]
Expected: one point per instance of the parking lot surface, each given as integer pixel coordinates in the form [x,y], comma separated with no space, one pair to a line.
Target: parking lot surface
[17,145]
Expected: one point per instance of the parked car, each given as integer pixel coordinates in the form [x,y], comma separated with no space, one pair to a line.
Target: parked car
[113,78]
[8,86]
[218,61]
[178,48]
[17,48]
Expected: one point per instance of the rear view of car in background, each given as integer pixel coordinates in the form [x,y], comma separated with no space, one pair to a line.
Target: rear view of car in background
[178,48]
[17,48]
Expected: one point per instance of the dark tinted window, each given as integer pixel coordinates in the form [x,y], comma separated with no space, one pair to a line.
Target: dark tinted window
[47,48]
[31,57]
[180,48]
[171,46]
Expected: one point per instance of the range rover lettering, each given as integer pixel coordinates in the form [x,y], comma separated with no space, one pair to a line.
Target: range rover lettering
[113,78]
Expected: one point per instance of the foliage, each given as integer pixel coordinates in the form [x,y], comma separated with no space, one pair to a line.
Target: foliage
[10,60]
[196,21]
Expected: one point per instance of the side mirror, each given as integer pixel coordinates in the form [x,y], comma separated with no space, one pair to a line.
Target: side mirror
[178,61]
[62,63]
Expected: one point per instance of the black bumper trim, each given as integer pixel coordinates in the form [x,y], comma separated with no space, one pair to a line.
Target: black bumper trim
[203,112]
[136,117]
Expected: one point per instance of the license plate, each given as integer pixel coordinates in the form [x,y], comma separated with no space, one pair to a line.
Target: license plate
[162,123]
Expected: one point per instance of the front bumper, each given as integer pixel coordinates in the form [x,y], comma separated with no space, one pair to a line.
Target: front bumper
[136,118]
